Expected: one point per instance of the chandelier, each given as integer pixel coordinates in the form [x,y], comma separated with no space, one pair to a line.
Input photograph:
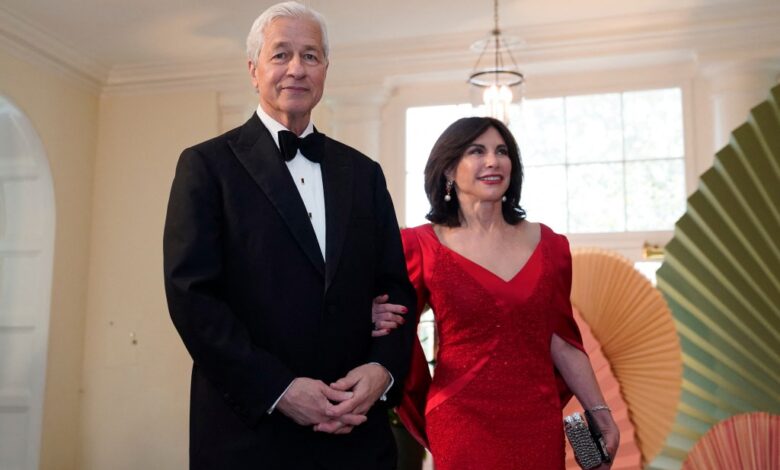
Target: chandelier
[499,77]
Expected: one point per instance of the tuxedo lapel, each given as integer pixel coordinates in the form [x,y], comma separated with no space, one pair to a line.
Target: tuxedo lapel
[257,152]
[337,174]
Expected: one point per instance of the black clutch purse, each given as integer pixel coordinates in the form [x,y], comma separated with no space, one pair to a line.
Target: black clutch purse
[586,440]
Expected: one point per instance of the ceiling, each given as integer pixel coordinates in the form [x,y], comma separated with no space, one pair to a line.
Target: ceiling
[113,33]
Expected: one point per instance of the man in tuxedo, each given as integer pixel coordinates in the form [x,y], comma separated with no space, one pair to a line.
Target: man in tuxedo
[277,239]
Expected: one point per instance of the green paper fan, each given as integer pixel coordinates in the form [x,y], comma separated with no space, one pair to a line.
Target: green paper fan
[721,279]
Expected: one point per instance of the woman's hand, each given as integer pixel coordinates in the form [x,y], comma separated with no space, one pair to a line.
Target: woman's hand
[576,370]
[611,433]
[386,316]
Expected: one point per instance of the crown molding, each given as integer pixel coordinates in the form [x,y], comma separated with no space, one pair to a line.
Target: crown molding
[218,74]
[701,36]
[30,43]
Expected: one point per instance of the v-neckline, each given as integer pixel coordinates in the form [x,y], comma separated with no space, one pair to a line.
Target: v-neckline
[486,270]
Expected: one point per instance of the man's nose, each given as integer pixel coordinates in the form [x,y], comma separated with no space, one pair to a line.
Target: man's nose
[295,67]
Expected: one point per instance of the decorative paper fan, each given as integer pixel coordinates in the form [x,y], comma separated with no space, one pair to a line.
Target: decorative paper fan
[749,441]
[721,277]
[635,329]
[629,456]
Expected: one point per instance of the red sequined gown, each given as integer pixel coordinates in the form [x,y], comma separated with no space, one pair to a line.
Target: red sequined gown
[495,400]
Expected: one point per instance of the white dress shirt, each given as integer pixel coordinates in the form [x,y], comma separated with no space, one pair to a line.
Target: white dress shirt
[307,176]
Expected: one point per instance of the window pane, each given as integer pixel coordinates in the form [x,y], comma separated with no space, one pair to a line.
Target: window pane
[653,124]
[426,333]
[593,163]
[423,126]
[648,269]
[539,132]
[596,200]
[655,194]
[593,128]
[544,196]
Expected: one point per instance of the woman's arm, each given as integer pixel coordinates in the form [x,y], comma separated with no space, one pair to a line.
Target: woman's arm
[576,370]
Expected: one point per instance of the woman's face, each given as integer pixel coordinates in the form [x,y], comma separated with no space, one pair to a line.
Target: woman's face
[483,172]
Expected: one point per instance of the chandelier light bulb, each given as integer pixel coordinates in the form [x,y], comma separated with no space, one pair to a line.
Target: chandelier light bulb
[504,94]
[497,100]
[490,95]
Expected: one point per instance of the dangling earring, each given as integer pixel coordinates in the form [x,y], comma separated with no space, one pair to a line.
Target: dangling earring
[503,198]
[448,188]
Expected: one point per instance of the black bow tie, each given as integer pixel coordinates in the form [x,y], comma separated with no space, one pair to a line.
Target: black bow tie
[311,145]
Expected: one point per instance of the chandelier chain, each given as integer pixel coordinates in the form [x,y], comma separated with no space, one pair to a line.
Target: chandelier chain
[495,16]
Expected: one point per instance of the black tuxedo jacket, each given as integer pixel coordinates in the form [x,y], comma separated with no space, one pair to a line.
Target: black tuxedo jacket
[257,306]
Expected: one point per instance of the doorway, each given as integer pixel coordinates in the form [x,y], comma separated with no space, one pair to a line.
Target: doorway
[27,223]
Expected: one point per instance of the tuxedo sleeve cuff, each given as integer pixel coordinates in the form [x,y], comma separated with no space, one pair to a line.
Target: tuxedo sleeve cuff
[389,386]
[273,407]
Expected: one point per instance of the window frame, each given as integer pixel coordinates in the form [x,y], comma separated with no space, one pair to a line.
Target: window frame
[629,244]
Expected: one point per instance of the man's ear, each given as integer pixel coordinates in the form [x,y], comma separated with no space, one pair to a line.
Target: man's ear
[252,69]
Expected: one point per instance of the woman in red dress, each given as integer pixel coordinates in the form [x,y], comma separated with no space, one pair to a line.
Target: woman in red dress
[509,349]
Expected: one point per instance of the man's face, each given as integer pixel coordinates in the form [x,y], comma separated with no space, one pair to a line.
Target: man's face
[290,71]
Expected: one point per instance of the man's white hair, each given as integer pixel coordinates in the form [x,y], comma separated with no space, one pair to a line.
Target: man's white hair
[254,41]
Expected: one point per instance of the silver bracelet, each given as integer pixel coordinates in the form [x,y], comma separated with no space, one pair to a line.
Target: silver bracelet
[599,408]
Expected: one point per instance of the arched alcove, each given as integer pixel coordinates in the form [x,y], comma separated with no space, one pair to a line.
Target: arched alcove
[27,222]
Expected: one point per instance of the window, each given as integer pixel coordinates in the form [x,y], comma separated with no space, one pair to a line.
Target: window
[649,270]
[423,126]
[593,163]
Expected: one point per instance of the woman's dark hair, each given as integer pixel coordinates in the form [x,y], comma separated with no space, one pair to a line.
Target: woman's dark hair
[445,156]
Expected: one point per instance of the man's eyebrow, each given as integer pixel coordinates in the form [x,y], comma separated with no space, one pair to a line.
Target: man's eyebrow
[306,47]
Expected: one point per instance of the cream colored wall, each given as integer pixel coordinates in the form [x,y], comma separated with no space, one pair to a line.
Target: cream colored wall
[136,370]
[65,115]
